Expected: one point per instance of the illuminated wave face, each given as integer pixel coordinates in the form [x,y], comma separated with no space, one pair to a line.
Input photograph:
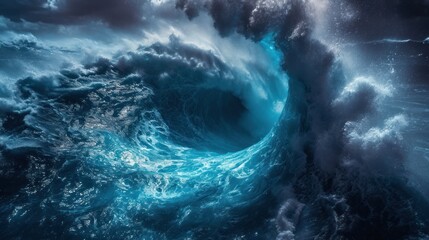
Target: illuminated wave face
[169,132]
[218,120]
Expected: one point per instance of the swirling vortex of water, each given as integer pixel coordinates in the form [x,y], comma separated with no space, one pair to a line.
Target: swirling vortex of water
[169,133]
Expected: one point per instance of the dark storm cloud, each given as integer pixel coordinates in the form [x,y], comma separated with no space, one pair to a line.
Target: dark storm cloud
[116,13]
[190,8]
[251,18]
[17,10]
[370,19]
[228,16]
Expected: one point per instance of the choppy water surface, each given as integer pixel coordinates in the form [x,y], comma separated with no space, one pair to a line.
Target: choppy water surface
[195,122]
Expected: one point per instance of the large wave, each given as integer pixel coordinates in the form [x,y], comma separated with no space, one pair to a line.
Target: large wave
[218,120]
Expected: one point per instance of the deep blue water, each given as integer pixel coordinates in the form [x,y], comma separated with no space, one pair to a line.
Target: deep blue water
[116,154]
[273,121]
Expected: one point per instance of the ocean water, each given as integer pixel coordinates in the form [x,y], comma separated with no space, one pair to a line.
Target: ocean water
[203,125]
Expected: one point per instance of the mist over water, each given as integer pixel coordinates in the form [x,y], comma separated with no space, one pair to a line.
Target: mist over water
[213,120]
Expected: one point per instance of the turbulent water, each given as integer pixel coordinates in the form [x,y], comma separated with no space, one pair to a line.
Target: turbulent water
[214,120]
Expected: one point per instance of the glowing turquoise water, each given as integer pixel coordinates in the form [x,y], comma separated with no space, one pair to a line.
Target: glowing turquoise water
[154,154]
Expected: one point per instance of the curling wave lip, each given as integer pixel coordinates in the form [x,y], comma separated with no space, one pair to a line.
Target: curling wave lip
[171,131]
